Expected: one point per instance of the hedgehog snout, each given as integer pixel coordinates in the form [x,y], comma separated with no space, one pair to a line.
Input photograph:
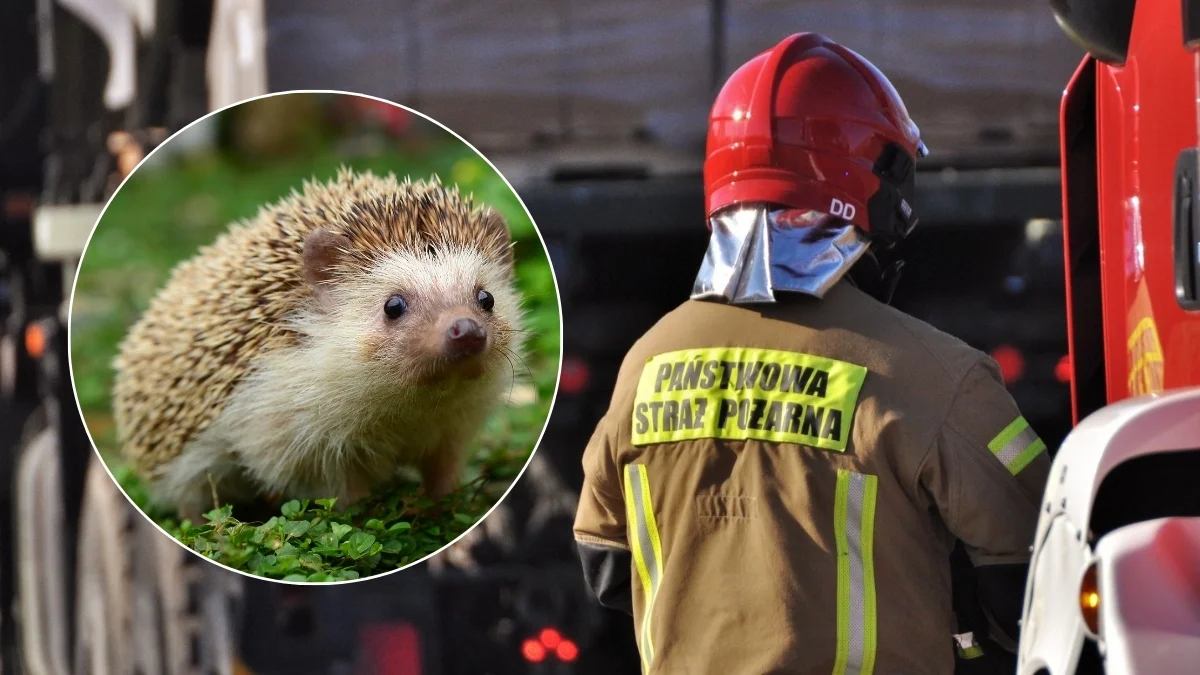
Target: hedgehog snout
[465,337]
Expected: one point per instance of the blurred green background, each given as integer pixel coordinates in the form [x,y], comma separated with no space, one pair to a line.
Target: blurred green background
[221,171]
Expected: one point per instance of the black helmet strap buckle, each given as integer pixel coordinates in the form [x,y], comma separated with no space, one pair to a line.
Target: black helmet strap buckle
[890,208]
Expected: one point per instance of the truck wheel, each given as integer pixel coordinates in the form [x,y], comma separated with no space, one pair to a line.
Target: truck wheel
[38,525]
[163,609]
[106,640]
[13,416]
[197,606]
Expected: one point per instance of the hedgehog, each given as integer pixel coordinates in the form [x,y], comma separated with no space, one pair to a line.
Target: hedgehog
[349,330]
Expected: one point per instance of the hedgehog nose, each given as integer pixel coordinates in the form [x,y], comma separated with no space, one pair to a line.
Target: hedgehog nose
[466,337]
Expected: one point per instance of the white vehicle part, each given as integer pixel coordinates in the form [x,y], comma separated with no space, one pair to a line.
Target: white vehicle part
[144,14]
[112,21]
[61,231]
[237,52]
[1052,627]
[1052,632]
[103,613]
[1149,582]
[40,569]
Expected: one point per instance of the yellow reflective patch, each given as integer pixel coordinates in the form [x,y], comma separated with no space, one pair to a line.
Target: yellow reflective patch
[1145,359]
[739,393]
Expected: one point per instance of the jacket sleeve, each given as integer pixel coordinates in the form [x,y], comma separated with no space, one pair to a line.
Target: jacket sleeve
[986,470]
[600,519]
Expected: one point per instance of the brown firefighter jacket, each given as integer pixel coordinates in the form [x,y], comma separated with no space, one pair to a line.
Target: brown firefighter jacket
[789,480]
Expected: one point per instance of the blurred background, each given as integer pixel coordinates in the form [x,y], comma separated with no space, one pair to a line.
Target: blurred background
[223,169]
[596,113]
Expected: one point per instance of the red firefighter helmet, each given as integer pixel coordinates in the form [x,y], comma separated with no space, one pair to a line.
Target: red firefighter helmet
[810,124]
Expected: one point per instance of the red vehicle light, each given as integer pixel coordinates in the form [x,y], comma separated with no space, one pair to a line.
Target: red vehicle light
[575,376]
[1011,362]
[391,649]
[551,642]
[567,651]
[1062,371]
[533,651]
[550,638]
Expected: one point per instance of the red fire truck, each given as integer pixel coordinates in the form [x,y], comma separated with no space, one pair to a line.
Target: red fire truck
[1130,188]
[1115,578]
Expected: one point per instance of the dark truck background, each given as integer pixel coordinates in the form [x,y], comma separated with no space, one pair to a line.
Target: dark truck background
[596,113]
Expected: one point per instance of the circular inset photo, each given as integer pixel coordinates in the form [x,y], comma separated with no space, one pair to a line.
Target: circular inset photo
[315,337]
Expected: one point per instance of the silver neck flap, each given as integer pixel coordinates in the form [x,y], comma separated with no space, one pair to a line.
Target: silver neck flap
[756,250]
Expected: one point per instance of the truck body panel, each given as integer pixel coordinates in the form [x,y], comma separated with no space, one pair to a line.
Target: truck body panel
[1146,119]
[1122,506]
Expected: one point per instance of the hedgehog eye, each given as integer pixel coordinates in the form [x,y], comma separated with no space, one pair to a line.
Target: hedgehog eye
[431,250]
[486,301]
[395,307]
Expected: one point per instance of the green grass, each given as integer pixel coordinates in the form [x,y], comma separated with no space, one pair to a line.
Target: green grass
[160,218]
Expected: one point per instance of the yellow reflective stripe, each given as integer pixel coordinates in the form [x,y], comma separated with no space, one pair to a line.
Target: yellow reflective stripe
[1140,365]
[1146,324]
[854,534]
[843,573]
[651,524]
[1017,445]
[639,558]
[868,556]
[646,545]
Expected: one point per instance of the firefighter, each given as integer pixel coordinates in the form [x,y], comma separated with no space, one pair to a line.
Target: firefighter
[787,462]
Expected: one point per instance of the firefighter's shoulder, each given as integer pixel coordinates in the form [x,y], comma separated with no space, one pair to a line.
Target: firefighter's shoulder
[945,358]
[980,427]
[966,374]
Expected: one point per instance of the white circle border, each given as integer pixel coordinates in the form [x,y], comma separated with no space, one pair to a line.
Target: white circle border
[536,229]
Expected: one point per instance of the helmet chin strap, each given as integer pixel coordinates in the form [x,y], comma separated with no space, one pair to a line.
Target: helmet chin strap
[870,277]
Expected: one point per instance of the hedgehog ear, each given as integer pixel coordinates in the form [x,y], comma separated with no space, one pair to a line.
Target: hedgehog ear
[497,231]
[322,252]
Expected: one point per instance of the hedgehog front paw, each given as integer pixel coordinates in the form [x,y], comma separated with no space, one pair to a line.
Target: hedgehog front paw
[357,488]
[440,473]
